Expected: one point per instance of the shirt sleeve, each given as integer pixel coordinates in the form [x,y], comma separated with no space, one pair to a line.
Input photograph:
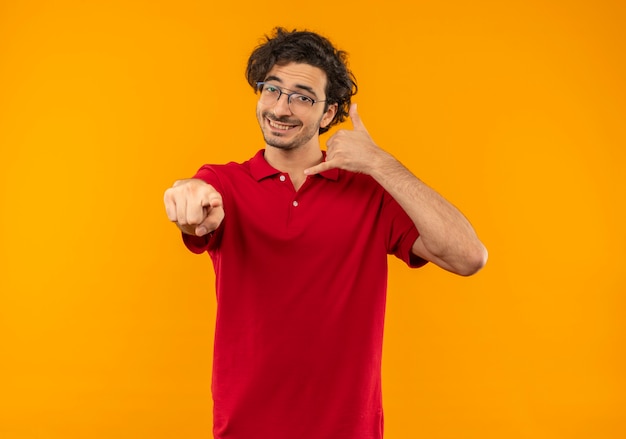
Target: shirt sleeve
[401,232]
[196,244]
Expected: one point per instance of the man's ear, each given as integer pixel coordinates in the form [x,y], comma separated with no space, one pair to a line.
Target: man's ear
[328,117]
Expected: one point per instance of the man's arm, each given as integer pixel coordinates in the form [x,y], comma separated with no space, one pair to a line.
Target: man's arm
[195,206]
[446,236]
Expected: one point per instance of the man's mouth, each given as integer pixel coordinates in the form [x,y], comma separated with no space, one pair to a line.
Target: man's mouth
[279,125]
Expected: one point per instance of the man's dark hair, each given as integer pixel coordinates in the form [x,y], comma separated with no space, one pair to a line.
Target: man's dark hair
[283,47]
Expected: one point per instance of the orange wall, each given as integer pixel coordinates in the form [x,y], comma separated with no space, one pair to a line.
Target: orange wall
[513,110]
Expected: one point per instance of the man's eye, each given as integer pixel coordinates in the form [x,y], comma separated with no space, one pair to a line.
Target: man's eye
[304,99]
[271,89]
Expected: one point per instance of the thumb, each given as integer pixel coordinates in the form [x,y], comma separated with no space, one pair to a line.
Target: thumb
[357,124]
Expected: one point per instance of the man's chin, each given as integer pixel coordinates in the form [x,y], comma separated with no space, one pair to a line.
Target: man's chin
[280,144]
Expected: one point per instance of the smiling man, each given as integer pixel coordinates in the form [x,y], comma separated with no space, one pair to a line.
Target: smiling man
[280,128]
[299,239]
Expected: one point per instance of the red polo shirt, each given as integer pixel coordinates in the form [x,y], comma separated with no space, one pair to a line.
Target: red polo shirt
[301,280]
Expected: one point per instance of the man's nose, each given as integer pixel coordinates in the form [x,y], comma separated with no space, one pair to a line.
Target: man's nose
[282,106]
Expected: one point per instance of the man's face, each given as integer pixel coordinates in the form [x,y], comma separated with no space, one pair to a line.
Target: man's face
[281,127]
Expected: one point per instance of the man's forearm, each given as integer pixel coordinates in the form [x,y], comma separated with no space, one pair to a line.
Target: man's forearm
[446,236]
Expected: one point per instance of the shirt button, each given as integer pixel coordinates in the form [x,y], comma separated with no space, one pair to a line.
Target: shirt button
[295,204]
[282,178]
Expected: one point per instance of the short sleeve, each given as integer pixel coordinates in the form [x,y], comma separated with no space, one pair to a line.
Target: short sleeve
[196,244]
[401,233]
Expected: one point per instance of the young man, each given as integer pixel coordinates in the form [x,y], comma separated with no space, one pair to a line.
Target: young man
[299,240]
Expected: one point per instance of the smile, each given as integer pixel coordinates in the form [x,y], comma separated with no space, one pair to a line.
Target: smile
[279,126]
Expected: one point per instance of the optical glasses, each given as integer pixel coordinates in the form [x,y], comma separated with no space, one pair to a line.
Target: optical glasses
[298,102]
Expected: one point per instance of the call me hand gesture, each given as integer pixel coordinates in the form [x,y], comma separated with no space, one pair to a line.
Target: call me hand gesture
[446,237]
[351,150]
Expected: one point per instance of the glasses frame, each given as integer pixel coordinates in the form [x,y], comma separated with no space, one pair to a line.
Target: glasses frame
[281,91]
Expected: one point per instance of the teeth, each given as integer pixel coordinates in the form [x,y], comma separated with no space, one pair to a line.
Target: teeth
[279,126]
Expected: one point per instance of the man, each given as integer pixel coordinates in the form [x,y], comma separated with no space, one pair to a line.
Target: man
[299,240]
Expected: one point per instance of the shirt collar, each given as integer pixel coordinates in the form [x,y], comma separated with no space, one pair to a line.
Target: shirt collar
[260,169]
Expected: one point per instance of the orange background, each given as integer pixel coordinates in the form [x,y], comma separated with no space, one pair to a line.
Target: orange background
[513,110]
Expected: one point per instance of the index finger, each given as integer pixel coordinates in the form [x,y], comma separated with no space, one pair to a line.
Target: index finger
[324,166]
[200,207]
[214,199]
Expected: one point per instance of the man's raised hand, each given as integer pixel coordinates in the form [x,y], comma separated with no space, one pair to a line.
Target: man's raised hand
[352,150]
[195,206]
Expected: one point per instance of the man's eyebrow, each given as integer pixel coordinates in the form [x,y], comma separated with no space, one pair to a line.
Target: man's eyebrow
[298,86]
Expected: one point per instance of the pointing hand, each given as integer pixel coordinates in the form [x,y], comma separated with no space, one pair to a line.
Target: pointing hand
[195,206]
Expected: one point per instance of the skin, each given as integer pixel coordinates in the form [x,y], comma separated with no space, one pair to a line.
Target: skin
[446,237]
[298,147]
[283,129]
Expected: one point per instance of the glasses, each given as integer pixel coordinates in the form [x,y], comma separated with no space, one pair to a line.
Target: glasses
[298,103]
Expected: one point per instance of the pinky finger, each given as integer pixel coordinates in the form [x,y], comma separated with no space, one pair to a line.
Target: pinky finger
[170,207]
